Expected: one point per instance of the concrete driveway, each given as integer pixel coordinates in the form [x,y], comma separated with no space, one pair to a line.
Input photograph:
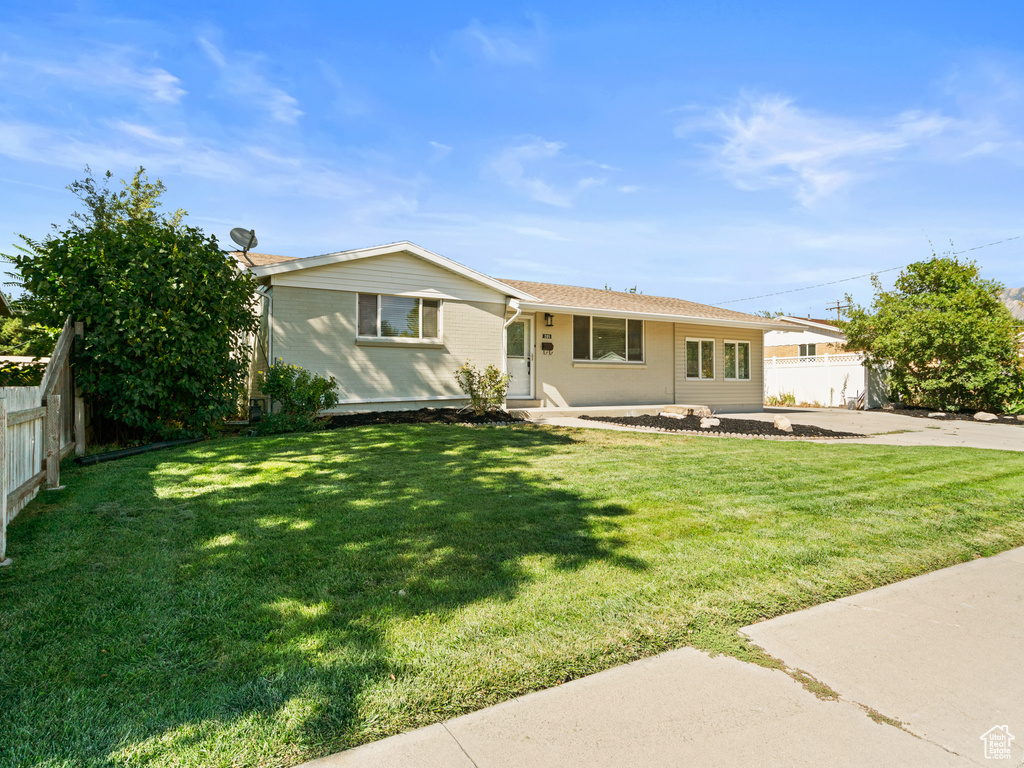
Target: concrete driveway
[893,429]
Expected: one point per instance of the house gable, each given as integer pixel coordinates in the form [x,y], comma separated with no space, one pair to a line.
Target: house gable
[403,269]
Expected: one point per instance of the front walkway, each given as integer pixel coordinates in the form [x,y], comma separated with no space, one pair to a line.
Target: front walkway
[943,653]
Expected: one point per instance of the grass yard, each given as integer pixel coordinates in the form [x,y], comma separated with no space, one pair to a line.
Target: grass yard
[261,602]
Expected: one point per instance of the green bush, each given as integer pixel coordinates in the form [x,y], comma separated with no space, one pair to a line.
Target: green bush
[21,374]
[486,389]
[167,315]
[281,422]
[783,399]
[299,392]
[945,337]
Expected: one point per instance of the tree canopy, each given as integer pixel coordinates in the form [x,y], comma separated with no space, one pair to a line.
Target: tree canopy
[166,312]
[945,336]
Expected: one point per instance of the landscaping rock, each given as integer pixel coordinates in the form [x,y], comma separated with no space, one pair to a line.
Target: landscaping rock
[938,415]
[737,427]
[682,411]
[985,416]
[708,422]
[1020,418]
[781,422]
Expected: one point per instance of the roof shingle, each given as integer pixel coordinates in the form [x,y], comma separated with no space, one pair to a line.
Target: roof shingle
[595,298]
[261,259]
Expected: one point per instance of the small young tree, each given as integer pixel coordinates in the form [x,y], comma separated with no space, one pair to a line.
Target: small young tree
[166,314]
[946,338]
[486,389]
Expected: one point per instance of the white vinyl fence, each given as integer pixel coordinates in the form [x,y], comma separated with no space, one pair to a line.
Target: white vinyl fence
[41,425]
[826,380]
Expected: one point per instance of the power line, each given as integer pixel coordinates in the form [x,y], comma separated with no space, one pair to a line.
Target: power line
[857,277]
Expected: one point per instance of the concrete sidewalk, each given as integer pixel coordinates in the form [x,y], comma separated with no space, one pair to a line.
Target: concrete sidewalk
[681,708]
[943,653]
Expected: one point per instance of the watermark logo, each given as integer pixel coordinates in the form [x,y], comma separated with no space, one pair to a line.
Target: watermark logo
[997,742]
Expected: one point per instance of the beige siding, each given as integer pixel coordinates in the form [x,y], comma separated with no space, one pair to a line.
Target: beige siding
[399,274]
[718,393]
[561,382]
[316,329]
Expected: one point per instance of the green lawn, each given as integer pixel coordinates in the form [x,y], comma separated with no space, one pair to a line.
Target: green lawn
[265,601]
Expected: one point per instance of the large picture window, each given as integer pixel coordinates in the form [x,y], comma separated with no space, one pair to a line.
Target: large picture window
[700,358]
[398,317]
[737,360]
[607,339]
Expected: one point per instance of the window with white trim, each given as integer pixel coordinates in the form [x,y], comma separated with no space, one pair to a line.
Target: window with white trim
[737,360]
[398,317]
[700,358]
[808,350]
[607,339]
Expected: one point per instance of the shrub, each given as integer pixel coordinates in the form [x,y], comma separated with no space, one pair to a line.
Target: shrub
[783,399]
[281,422]
[486,389]
[299,392]
[167,315]
[944,335]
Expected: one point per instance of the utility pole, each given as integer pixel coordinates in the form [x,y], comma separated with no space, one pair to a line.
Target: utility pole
[839,307]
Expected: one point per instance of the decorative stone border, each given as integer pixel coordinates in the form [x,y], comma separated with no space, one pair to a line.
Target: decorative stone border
[743,435]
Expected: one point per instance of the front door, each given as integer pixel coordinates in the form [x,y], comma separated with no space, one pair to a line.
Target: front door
[519,351]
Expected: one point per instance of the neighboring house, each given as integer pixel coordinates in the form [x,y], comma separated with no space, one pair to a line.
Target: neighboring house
[810,338]
[809,361]
[393,322]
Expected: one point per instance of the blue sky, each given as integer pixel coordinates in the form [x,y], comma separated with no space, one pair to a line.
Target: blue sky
[711,151]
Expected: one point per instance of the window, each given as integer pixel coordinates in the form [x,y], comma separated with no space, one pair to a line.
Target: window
[737,360]
[700,358]
[607,339]
[808,350]
[400,317]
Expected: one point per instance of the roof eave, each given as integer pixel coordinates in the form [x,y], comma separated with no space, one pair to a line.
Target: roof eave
[340,257]
[658,316]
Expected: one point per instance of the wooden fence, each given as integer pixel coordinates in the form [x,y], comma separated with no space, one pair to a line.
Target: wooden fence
[42,425]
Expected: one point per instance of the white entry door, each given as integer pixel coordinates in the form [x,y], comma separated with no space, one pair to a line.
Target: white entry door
[519,351]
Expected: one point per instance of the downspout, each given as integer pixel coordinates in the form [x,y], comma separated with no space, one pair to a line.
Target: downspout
[512,304]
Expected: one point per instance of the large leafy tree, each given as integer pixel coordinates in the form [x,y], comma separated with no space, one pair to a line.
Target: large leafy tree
[945,336]
[166,313]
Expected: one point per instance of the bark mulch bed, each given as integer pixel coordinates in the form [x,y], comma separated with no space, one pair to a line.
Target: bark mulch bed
[422,416]
[730,427]
[922,413]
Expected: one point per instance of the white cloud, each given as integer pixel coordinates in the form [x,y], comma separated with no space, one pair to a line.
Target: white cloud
[770,142]
[510,167]
[628,189]
[240,78]
[441,151]
[111,70]
[503,45]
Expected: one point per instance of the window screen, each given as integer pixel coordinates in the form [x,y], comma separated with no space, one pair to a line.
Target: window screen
[580,337]
[431,308]
[367,314]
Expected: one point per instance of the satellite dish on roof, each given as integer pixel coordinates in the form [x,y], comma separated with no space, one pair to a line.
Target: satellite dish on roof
[245,238]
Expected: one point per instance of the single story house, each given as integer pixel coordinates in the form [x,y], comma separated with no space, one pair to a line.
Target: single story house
[392,323]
